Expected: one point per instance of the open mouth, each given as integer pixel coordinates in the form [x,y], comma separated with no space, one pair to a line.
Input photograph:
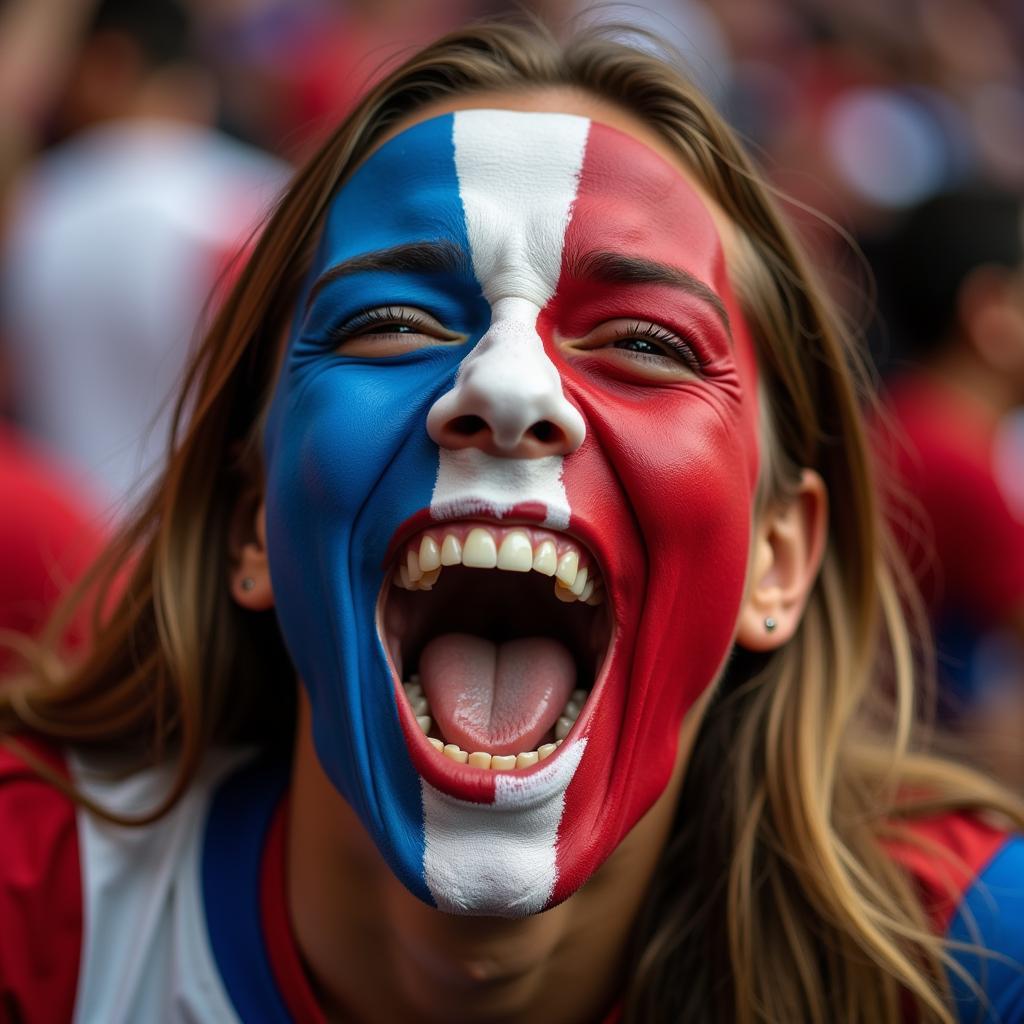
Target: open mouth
[497,635]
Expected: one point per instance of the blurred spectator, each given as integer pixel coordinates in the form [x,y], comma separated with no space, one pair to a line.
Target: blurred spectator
[37,39]
[49,535]
[865,108]
[688,28]
[954,276]
[290,69]
[116,238]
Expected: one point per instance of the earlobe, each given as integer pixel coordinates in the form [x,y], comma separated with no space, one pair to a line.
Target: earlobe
[249,574]
[786,552]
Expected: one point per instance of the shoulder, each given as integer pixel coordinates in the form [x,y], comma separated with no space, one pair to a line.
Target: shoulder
[167,907]
[244,884]
[40,889]
[95,915]
[971,876]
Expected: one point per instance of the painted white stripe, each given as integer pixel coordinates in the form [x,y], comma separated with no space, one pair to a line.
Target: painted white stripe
[499,859]
[146,955]
[471,482]
[518,174]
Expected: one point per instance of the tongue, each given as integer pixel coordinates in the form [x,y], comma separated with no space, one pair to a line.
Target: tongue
[502,698]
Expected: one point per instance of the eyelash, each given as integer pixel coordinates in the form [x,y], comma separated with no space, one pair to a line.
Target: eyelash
[404,317]
[378,316]
[639,329]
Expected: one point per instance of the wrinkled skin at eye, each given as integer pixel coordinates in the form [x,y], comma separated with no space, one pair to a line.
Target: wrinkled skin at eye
[648,459]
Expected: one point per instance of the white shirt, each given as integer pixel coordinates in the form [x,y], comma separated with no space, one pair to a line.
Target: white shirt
[115,243]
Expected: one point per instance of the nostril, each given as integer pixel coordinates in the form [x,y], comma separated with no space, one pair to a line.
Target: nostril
[545,431]
[467,426]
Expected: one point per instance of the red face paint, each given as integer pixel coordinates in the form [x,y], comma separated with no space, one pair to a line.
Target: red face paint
[662,488]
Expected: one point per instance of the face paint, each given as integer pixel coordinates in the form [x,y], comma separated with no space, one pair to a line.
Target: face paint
[570,379]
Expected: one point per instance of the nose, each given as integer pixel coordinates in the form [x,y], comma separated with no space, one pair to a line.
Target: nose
[507,399]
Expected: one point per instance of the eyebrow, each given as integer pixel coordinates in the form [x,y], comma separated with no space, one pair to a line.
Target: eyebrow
[432,257]
[618,268]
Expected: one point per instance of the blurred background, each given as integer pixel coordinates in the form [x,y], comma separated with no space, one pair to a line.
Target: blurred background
[142,141]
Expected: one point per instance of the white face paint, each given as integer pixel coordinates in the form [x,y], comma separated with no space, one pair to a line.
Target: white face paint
[498,858]
[517,176]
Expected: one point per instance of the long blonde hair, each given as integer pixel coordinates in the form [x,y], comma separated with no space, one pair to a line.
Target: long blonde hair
[800,914]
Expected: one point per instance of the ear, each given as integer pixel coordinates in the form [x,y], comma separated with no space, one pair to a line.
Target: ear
[249,572]
[786,552]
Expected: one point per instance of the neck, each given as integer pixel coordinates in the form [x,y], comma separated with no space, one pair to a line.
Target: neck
[375,953]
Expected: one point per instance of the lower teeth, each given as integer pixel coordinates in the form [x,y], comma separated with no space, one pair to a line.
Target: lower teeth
[494,762]
[482,759]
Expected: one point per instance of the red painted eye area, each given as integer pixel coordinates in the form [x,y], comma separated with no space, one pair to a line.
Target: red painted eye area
[640,348]
[652,340]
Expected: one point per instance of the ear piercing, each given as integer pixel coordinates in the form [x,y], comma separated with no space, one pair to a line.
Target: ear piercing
[248,583]
[769,624]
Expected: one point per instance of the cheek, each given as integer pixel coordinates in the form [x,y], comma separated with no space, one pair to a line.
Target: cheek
[694,505]
[338,431]
[317,461]
[664,481]
[348,459]
[680,464]
[685,462]
[687,480]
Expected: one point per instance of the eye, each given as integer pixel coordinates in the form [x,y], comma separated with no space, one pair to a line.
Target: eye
[651,340]
[390,330]
[648,346]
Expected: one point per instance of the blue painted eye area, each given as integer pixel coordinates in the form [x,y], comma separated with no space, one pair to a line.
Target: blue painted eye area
[390,330]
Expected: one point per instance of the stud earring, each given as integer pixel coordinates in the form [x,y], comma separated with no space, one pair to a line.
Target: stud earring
[248,583]
[769,624]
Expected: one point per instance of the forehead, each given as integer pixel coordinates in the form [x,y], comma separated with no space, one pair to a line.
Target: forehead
[507,183]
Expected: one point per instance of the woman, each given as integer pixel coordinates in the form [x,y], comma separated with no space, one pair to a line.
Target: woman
[528,443]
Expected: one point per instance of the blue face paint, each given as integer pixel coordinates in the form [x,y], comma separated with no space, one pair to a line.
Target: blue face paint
[348,460]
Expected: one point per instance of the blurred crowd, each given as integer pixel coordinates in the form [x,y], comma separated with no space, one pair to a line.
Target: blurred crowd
[142,142]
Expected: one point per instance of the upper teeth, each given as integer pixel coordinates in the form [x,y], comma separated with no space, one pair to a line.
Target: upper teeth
[510,549]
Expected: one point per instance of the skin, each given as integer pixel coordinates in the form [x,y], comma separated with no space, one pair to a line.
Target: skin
[377,953]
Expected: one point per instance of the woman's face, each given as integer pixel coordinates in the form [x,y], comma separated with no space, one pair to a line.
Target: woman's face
[511,459]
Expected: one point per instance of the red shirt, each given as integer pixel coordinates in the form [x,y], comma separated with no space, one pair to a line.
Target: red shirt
[962,537]
[48,536]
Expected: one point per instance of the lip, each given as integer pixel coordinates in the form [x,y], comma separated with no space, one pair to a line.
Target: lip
[461,781]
